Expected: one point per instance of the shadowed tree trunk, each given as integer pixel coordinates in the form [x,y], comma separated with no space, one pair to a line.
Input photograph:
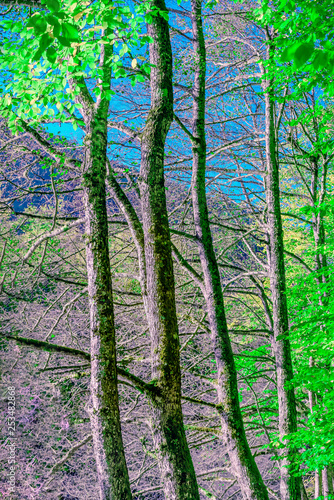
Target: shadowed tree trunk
[290,485]
[176,467]
[243,465]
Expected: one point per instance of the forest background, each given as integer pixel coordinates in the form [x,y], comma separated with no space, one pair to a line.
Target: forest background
[166,250]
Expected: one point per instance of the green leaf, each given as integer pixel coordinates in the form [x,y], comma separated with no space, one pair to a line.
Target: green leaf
[320,60]
[51,54]
[38,23]
[53,5]
[71,32]
[64,41]
[38,54]
[303,54]
[287,54]
[60,15]
[300,52]
[17,28]
[44,42]
[53,21]
[164,14]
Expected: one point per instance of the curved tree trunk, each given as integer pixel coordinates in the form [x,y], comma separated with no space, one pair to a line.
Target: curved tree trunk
[243,464]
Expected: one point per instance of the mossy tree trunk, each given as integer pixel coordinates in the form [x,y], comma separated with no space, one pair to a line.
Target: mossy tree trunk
[176,467]
[243,464]
[104,413]
[290,487]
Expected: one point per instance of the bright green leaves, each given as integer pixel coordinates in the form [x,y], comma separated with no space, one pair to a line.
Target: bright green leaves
[263,14]
[45,41]
[321,60]
[164,14]
[210,4]
[303,54]
[304,35]
[150,11]
[54,23]
[300,52]
[67,39]
[65,32]
[123,50]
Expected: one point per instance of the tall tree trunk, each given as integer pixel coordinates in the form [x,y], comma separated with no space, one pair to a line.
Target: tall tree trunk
[327,482]
[177,471]
[318,193]
[113,478]
[104,414]
[243,464]
[318,484]
[290,484]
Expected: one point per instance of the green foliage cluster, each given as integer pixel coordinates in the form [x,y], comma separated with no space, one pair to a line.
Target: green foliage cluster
[311,307]
[63,44]
[304,40]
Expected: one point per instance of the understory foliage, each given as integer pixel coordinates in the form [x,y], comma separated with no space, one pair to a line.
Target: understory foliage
[55,60]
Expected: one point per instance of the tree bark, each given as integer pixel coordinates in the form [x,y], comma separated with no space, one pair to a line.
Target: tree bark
[318,484]
[176,467]
[103,410]
[243,464]
[318,195]
[318,192]
[290,484]
[327,483]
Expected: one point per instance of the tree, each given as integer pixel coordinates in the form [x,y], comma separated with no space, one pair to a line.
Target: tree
[217,203]
[242,461]
[177,471]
